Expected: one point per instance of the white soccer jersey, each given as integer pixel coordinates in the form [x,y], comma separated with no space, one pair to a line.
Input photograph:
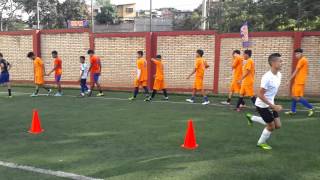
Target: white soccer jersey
[271,84]
[84,68]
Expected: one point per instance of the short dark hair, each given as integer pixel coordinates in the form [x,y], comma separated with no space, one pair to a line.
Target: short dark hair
[200,52]
[82,57]
[236,51]
[30,54]
[298,50]
[158,56]
[273,57]
[1,55]
[140,53]
[248,52]
[90,51]
[54,52]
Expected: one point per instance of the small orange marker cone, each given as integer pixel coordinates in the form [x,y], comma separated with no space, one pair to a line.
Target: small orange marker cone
[190,139]
[36,124]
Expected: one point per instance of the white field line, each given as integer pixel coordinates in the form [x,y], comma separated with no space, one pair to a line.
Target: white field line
[171,102]
[46,172]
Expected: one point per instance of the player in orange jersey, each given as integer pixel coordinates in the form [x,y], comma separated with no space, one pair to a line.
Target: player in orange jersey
[199,69]
[247,79]
[39,72]
[57,69]
[299,77]
[95,72]
[142,77]
[235,86]
[159,83]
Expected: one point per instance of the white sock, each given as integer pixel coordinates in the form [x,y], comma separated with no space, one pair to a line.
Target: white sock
[264,136]
[258,120]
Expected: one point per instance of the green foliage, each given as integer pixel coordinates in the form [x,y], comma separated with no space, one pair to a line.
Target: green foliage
[107,14]
[54,14]
[262,15]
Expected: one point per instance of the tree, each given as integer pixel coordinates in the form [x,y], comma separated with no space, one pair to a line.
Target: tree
[48,12]
[71,10]
[103,3]
[107,14]
[8,15]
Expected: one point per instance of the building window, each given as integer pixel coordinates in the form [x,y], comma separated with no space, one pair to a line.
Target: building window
[129,10]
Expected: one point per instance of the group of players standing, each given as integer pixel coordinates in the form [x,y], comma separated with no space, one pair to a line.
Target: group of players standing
[242,83]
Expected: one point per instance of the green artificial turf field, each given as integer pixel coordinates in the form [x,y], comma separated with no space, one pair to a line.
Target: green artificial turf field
[112,138]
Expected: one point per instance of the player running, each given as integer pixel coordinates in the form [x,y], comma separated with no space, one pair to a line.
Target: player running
[265,104]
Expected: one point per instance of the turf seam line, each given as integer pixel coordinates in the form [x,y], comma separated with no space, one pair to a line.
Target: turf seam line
[172,102]
[46,171]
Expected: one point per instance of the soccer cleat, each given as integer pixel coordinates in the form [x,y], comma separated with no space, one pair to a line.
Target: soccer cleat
[82,95]
[100,94]
[49,92]
[131,98]
[290,113]
[166,98]
[249,117]
[238,110]
[190,100]
[310,112]
[225,103]
[206,103]
[149,99]
[10,96]
[243,106]
[34,95]
[264,146]
[58,95]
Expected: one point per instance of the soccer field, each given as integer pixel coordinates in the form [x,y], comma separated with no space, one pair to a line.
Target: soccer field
[112,138]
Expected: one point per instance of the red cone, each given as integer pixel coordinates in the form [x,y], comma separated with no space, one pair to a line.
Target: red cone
[190,139]
[36,124]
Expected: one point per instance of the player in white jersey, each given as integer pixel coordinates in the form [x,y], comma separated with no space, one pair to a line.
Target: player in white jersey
[83,76]
[265,105]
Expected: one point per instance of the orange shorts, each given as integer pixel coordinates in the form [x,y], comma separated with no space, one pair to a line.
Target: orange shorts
[198,84]
[39,80]
[159,85]
[247,90]
[235,86]
[138,83]
[297,90]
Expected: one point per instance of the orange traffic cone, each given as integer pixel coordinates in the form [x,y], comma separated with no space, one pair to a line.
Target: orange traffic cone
[36,124]
[190,139]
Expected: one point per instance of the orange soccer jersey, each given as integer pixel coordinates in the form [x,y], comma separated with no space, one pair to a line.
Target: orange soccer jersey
[159,79]
[247,86]
[95,64]
[58,64]
[237,74]
[200,66]
[302,74]
[142,66]
[300,78]
[38,67]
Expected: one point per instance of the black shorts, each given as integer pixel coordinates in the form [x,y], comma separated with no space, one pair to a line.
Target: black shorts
[267,114]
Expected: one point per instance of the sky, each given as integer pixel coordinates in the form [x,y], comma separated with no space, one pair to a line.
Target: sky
[178,4]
